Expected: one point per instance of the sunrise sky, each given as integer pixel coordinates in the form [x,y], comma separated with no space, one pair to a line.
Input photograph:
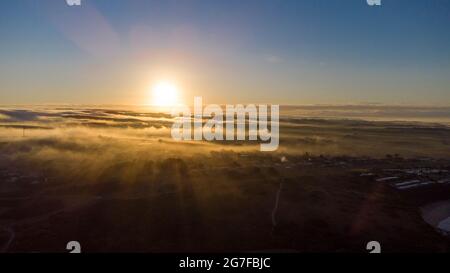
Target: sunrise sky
[284,52]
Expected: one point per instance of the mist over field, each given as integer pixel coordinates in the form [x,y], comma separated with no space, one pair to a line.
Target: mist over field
[102,173]
[66,140]
[329,130]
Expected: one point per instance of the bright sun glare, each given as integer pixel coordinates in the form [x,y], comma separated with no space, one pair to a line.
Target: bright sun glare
[165,94]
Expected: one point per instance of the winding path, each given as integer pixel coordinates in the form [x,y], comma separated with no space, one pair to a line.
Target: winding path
[275,208]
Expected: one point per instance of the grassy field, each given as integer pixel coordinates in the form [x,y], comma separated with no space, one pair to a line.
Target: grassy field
[116,181]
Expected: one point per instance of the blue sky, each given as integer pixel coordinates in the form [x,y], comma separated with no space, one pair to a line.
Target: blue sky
[288,52]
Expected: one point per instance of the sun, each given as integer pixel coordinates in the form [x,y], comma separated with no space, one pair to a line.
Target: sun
[165,94]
